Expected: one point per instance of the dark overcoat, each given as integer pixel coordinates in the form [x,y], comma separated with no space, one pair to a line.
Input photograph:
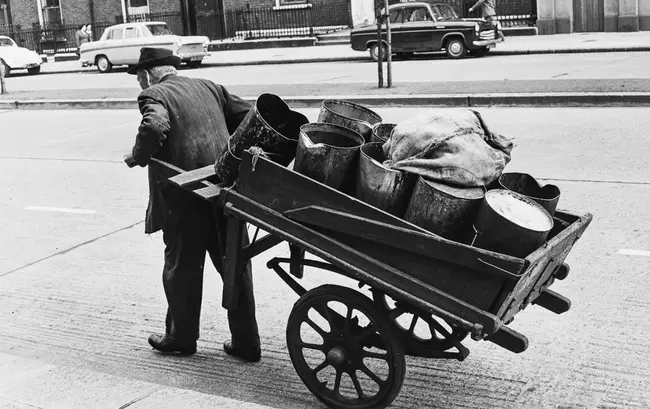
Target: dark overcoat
[186,122]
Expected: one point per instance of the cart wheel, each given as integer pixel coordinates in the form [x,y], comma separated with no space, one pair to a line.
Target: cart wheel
[328,334]
[417,330]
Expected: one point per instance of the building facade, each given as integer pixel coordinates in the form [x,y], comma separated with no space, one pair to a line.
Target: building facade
[567,16]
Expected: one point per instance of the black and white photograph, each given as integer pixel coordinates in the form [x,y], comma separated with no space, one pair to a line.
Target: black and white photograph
[346,204]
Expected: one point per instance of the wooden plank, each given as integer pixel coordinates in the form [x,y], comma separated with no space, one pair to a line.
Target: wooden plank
[193,176]
[384,277]
[553,301]
[433,247]
[509,339]
[209,192]
[232,264]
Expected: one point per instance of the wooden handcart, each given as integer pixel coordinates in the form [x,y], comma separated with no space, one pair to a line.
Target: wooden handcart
[413,276]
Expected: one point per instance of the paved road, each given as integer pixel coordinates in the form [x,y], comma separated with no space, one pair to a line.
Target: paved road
[80,283]
[605,72]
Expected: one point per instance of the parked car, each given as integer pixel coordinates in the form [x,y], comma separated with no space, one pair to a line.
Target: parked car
[425,27]
[18,58]
[120,45]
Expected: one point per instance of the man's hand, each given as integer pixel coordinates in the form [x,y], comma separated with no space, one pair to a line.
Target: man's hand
[130,160]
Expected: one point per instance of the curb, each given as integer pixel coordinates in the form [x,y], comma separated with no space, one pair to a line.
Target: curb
[364,57]
[584,99]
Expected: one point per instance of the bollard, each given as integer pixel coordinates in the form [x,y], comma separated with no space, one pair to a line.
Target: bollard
[3,87]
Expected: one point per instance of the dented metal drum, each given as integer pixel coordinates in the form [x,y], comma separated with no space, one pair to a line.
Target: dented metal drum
[270,125]
[350,115]
[379,186]
[381,132]
[511,223]
[445,210]
[548,195]
[328,153]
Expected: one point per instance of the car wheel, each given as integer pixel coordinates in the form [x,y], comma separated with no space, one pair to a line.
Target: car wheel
[374,51]
[103,65]
[6,67]
[455,48]
[194,64]
[480,52]
[34,70]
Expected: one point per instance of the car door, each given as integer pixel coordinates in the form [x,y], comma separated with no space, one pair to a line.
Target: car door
[396,23]
[114,41]
[442,15]
[131,45]
[417,28]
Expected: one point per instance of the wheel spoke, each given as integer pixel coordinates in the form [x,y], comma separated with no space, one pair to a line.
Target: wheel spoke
[316,328]
[319,347]
[348,319]
[357,385]
[371,374]
[337,380]
[320,367]
[376,355]
[414,321]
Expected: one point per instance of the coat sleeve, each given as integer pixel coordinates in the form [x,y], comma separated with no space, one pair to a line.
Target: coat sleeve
[234,108]
[153,130]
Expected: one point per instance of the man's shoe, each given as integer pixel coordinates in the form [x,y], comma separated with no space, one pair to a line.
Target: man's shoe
[253,354]
[169,345]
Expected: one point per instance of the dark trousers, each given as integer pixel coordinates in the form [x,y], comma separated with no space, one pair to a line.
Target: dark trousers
[197,229]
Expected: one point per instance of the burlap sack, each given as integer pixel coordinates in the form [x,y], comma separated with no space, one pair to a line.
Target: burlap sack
[452,146]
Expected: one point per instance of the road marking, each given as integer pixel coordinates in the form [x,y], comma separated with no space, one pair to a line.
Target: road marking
[60,209]
[629,252]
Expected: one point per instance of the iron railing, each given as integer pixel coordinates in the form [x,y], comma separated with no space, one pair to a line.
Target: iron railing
[49,39]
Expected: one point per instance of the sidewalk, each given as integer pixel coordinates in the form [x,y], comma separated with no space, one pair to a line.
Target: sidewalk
[559,43]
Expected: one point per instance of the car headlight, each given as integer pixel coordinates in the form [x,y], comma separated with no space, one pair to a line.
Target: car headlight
[477,27]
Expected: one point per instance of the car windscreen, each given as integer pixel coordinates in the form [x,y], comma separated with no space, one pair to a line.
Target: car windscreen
[158,29]
[6,42]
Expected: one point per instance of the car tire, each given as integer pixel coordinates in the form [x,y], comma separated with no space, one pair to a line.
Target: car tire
[103,64]
[34,70]
[194,64]
[374,51]
[455,48]
[7,69]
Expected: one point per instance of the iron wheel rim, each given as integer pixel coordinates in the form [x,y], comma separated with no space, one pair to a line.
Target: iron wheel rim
[344,349]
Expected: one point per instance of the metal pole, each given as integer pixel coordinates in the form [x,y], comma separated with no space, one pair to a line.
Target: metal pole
[3,88]
[389,58]
[380,68]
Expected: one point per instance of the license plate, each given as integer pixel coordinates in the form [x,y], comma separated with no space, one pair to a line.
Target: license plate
[195,58]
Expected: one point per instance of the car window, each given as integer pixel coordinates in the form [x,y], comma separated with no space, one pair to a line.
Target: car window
[444,12]
[416,14]
[159,29]
[6,42]
[131,32]
[116,34]
[396,16]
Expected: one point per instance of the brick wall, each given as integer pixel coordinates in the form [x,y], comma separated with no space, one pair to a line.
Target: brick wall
[168,6]
[106,10]
[74,11]
[325,12]
[24,12]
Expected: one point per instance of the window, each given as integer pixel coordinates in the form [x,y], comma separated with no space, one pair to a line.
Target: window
[158,29]
[131,32]
[115,34]
[51,11]
[291,4]
[138,3]
[4,13]
[416,14]
[396,16]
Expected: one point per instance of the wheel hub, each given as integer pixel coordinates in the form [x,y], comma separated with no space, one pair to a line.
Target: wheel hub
[336,355]
[455,48]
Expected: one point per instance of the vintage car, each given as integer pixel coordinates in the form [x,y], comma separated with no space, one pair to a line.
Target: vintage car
[425,27]
[120,45]
[13,57]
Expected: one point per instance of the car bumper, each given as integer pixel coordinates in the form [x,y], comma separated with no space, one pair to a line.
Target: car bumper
[25,66]
[194,56]
[85,63]
[486,43]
